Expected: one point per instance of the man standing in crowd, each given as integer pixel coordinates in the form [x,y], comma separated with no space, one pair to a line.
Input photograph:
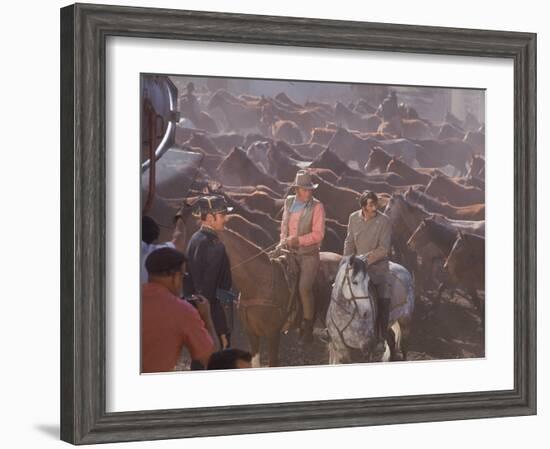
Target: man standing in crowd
[302,231]
[369,235]
[150,232]
[168,323]
[389,106]
[208,264]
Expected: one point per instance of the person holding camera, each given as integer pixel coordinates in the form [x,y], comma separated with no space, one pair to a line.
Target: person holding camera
[169,323]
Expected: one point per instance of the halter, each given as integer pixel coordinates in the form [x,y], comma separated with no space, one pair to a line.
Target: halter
[353,299]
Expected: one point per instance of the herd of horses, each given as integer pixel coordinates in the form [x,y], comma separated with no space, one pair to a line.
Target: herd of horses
[429,178]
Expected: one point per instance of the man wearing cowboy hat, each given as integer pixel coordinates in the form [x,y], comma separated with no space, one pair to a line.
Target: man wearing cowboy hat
[208,264]
[302,231]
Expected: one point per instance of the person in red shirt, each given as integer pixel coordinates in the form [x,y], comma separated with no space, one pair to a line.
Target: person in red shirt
[302,232]
[168,323]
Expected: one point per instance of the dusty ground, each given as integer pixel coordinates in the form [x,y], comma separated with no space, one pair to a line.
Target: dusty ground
[451,331]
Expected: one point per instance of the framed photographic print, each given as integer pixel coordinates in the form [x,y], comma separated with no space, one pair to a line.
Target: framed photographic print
[346,210]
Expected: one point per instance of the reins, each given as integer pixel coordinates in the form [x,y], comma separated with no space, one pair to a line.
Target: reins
[263,251]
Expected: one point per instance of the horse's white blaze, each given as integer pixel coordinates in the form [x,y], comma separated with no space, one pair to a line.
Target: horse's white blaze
[256,360]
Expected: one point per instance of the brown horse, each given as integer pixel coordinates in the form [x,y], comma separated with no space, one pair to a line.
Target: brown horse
[238,115]
[407,172]
[200,119]
[477,167]
[378,160]
[265,294]
[431,204]
[445,189]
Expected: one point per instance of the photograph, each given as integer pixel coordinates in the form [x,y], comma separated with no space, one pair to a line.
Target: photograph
[301,222]
[309,194]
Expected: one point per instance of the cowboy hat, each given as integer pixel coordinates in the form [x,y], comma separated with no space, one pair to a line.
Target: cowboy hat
[303,180]
[211,204]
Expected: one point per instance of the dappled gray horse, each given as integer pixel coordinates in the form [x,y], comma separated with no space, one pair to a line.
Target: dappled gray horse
[351,315]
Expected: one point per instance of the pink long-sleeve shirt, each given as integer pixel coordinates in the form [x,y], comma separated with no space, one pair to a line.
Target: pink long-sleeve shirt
[317,226]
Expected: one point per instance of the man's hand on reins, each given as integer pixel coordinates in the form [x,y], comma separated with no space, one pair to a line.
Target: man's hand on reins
[293,242]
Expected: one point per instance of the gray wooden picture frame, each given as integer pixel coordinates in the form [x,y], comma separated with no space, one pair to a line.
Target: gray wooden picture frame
[84,29]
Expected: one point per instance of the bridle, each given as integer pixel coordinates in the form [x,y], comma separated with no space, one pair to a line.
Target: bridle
[353,300]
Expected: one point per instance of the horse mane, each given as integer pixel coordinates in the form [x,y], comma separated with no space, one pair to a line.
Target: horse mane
[429,201]
[410,205]
[381,152]
[445,179]
[323,182]
[400,164]
[238,154]
[330,158]
[358,265]
[226,95]
[439,229]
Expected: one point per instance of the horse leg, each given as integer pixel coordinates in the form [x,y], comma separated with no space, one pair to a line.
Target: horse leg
[332,356]
[337,354]
[391,344]
[399,346]
[254,341]
[273,345]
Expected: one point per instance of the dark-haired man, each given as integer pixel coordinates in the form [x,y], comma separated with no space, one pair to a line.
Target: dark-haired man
[230,359]
[208,265]
[168,323]
[150,232]
[369,235]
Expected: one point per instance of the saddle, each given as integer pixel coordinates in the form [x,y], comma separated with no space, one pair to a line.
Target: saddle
[291,269]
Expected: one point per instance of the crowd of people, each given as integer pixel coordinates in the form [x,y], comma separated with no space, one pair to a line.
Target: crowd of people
[185,292]
[181,296]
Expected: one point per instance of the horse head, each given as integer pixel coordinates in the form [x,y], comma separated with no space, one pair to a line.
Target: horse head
[351,314]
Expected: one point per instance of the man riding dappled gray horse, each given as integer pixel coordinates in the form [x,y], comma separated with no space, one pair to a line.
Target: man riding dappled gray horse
[372,298]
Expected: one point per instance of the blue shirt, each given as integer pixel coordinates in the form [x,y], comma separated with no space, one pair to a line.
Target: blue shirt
[297,206]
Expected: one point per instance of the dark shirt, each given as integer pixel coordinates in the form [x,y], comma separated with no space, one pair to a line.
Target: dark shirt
[389,108]
[207,264]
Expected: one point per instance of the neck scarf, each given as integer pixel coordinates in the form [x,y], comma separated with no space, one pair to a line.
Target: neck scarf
[297,206]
